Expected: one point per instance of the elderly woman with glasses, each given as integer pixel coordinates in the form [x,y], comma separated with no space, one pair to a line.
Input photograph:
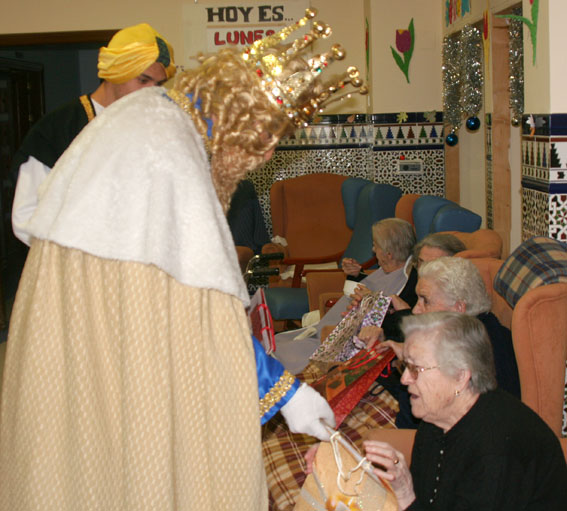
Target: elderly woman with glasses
[477,447]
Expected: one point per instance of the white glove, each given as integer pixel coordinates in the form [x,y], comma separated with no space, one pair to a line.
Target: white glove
[306,411]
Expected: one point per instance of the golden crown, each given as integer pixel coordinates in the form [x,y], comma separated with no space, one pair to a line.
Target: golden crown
[291,94]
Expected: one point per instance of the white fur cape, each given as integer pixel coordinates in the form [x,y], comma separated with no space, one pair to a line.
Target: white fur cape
[135,185]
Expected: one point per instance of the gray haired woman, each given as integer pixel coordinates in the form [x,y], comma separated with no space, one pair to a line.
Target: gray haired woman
[435,245]
[477,447]
[454,284]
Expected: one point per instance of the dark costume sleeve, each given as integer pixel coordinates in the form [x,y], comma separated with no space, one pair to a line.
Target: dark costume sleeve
[50,136]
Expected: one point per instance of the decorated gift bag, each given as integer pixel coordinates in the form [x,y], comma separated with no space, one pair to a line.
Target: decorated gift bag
[342,343]
[345,385]
[261,321]
[343,480]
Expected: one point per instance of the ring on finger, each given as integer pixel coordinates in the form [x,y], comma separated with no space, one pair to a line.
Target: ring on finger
[396,461]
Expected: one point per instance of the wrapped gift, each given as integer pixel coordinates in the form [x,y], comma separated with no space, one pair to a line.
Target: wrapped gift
[344,386]
[341,344]
[343,480]
[261,322]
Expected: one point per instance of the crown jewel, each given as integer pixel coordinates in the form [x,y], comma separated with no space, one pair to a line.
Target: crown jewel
[292,93]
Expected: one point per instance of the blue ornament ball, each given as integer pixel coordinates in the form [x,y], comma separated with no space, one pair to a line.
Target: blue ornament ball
[452,139]
[473,123]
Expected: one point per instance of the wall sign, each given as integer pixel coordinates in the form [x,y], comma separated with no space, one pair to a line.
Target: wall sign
[213,25]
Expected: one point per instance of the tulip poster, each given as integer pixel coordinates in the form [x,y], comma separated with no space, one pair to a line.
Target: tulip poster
[405,39]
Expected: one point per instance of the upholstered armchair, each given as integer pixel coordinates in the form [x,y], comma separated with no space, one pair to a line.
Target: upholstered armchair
[308,216]
[308,213]
[429,214]
[480,243]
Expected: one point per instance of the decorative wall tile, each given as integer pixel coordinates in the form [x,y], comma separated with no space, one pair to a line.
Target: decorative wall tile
[558,217]
[370,147]
[535,215]
[544,170]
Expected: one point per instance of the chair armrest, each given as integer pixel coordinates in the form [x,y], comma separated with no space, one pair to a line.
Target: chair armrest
[301,262]
[272,248]
[323,282]
[400,439]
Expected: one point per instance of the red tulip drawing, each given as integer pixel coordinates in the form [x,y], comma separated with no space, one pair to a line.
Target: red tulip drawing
[405,40]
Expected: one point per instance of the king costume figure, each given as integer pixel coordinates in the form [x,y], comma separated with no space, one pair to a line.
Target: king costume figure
[131,379]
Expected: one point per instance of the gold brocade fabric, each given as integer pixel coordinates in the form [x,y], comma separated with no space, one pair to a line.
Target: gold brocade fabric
[125,390]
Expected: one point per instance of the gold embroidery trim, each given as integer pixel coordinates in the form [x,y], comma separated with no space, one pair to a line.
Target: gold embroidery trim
[88,107]
[278,390]
[189,108]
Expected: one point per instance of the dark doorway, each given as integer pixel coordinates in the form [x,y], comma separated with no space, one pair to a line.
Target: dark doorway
[38,73]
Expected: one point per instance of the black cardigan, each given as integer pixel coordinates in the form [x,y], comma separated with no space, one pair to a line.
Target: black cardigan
[500,456]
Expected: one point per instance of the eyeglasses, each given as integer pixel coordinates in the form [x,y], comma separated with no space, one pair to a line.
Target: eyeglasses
[414,370]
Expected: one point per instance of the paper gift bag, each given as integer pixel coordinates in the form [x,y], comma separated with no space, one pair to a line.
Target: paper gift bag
[261,322]
[340,345]
[343,480]
[345,385]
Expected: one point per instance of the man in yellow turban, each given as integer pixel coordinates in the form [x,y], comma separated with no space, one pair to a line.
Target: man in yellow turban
[136,57]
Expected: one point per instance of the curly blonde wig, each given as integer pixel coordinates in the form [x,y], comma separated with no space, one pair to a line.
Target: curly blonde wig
[246,123]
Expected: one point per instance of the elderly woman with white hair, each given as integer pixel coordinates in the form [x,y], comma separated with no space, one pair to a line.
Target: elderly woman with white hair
[455,284]
[393,242]
[476,447]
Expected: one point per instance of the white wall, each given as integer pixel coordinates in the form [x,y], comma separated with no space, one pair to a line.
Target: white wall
[390,90]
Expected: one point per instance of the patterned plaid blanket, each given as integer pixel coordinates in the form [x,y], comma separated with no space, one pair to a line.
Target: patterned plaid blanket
[284,451]
[536,262]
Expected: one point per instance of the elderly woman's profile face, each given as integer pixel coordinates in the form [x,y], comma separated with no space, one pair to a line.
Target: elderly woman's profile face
[431,391]
[430,298]
[427,254]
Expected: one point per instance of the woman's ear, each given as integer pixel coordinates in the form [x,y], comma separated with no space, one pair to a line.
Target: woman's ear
[463,379]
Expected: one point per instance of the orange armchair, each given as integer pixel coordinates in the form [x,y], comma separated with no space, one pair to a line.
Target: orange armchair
[308,212]
[480,243]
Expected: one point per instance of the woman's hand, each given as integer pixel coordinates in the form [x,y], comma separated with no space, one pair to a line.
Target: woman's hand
[360,292]
[398,304]
[371,335]
[398,347]
[393,468]
[351,266]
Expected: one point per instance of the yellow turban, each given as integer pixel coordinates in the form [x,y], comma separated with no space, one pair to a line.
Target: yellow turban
[131,51]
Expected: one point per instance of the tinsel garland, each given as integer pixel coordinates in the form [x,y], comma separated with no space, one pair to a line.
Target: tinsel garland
[516,63]
[463,80]
[452,82]
[472,77]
